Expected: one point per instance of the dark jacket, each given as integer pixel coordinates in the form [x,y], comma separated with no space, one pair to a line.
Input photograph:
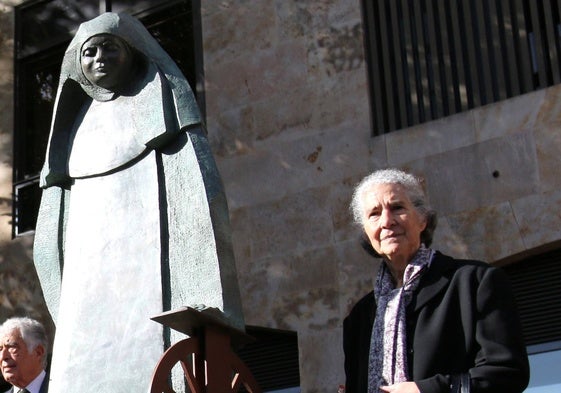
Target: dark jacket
[462,318]
[44,386]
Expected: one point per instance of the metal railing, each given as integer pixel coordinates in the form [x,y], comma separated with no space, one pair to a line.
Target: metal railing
[428,59]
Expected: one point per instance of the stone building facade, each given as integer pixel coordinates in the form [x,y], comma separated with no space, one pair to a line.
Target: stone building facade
[288,116]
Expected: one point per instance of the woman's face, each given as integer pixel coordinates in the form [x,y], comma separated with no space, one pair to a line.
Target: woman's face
[106,61]
[391,222]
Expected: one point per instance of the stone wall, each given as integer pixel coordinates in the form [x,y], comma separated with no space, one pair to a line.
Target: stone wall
[288,118]
[492,174]
[288,113]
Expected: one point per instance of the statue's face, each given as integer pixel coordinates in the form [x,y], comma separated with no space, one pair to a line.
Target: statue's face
[106,61]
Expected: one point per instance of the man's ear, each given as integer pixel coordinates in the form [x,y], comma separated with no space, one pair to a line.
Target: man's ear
[39,350]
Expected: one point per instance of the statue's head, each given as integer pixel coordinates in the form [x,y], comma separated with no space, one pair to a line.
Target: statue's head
[108,62]
[108,55]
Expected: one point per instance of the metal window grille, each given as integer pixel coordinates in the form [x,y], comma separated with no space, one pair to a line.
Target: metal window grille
[272,358]
[536,284]
[428,59]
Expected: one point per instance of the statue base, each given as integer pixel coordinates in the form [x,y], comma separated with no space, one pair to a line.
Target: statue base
[206,357]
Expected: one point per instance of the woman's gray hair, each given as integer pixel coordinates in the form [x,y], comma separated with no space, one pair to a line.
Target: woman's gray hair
[32,333]
[413,188]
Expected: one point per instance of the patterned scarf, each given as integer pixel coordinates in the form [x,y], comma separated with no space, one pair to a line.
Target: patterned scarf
[388,345]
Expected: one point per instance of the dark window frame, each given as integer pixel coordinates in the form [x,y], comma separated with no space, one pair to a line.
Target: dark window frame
[272,358]
[536,285]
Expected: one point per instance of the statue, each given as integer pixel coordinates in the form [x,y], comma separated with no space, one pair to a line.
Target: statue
[133,219]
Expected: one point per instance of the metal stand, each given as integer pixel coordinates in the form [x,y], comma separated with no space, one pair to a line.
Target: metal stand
[206,358]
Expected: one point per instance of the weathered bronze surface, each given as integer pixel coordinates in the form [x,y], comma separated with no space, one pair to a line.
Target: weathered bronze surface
[133,219]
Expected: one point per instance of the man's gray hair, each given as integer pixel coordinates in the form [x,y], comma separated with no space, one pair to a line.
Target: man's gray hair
[32,333]
[413,188]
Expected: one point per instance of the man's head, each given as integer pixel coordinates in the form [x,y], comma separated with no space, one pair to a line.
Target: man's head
[23,349]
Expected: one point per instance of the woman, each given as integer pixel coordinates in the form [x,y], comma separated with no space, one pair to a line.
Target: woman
[133,219]
[431,319]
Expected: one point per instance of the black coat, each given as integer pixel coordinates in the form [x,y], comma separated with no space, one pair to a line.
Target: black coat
[462,318]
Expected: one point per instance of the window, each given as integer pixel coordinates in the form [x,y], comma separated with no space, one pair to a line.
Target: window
[544,372]
[272,359]
[432,58]
[536,283]
[43,31]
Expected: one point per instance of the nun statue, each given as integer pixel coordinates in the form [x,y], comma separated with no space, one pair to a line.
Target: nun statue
[133,219]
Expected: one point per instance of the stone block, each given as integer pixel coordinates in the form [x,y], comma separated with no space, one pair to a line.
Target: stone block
[435,137]
[342,98]
[321,365]
[449,241]
[266,72]
[295,222]
[539,218]
[340,197]
[227,33]
[296,291]
[548,146]
[308,310]
[357,273]
[481,175]
[282,112]
[506,117]
[550,108]
[378,152]
[295,19]
[491,232]
[300,162]
[337,49]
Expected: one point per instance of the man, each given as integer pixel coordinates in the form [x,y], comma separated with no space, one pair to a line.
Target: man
[23,351]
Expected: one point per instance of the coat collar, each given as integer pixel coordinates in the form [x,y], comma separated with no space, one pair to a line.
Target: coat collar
[433,281]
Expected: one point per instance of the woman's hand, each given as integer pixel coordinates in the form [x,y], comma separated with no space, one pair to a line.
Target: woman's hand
[402,387]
